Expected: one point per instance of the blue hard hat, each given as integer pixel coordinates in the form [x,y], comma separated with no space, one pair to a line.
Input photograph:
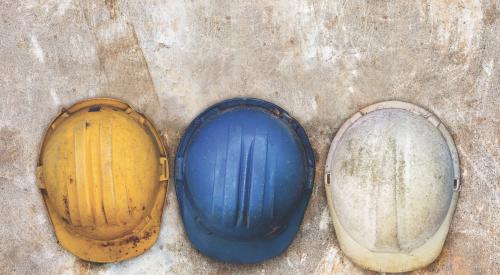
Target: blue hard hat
[244,173]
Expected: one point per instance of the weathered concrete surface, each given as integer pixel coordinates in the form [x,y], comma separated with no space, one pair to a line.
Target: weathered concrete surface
[320,60]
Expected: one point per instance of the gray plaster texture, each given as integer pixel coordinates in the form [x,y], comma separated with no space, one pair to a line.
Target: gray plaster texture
[320,60]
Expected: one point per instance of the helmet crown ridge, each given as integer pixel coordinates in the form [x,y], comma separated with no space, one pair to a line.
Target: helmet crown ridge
[246,164]
[94,178]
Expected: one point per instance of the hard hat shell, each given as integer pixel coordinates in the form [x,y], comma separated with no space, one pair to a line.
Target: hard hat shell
[103,174]
[392,183]
[244,173]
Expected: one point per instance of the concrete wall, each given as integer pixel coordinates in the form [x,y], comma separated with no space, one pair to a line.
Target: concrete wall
[320,60]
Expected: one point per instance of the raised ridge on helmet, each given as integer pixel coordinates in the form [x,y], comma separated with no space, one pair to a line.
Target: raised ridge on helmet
[94,179]
[246,162]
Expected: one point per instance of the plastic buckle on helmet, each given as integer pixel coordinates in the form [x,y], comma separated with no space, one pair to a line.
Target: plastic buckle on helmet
[164,165]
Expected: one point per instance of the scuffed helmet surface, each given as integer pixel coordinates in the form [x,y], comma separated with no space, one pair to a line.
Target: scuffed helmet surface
[392,180]
[245,171]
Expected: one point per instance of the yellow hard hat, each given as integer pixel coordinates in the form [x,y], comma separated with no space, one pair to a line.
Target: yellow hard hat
[103,173]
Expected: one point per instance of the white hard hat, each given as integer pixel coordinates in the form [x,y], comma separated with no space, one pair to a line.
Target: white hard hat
[392,181]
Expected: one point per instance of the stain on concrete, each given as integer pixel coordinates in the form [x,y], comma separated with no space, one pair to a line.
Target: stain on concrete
[112,6]
[124,68]
[9,153]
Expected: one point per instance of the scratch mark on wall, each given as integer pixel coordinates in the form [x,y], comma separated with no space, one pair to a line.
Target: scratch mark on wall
[456,24]
[125,71]
[112,8]
[63,6]
[55,97]
[325,219]
[123,63]
[327,262]
[37,50]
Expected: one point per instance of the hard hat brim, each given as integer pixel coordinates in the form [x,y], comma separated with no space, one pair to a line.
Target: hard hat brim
[234,251]
[394,262]
[106,251]
[230,249]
